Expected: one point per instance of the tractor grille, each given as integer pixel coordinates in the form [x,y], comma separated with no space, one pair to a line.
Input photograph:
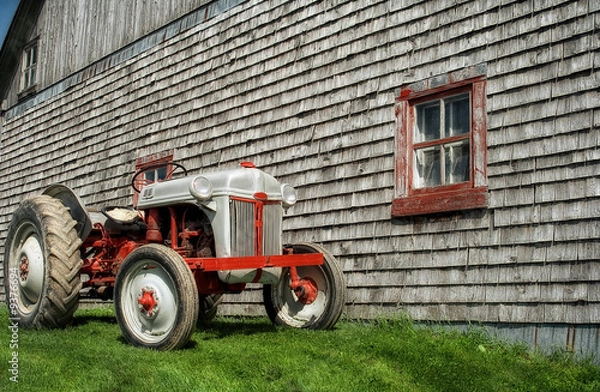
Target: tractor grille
[272,229]
[248,220]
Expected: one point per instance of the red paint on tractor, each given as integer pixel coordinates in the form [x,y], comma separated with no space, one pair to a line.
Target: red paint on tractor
[305,289]
[262,196]
[153,228]
[253,262]
[147,301]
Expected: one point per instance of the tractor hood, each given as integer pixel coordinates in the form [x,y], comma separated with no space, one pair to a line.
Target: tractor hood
[244,182]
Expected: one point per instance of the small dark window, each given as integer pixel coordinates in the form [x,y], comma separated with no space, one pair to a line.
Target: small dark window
[30,62]
[158,174]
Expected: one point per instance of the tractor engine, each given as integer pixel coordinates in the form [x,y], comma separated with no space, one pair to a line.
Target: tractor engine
[116,231]
[114,234]
[196,234]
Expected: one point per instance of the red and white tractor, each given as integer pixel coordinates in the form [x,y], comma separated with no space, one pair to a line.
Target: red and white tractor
[166,263]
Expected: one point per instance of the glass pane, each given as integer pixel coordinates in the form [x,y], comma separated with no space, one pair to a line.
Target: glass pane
[32,77]
[456,161]
[457,116]
[33,55]
[428,121]
[427,167]
[149,176]
[161,173]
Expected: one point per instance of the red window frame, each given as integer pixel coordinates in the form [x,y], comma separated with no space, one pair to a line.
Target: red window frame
[412,200]
[165,157]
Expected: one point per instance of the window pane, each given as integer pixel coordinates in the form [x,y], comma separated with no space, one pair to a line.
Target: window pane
[161,173]
[427,167]
[33,55]
[428,121]
[29,66]
[31,77]
[456,162]
[457,116]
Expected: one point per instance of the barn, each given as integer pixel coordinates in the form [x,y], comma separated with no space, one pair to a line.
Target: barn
[446,152]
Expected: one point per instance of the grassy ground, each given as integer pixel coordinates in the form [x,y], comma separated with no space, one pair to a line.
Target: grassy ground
[249,354]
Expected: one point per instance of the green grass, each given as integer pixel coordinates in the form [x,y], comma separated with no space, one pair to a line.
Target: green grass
[249,354]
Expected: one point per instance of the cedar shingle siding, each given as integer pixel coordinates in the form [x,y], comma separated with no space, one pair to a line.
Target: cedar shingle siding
[306,90]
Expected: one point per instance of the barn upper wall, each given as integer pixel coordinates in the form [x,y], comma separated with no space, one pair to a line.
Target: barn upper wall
[74,34]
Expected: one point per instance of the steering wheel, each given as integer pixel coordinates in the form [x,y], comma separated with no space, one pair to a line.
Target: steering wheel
[138,183]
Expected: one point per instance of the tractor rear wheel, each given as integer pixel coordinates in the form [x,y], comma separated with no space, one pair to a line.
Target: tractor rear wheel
[324,309]
[41,264]
[156,300]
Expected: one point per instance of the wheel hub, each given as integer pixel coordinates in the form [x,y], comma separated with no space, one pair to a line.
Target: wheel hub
[147,302]
[24,268]
[30,265]
[306,291]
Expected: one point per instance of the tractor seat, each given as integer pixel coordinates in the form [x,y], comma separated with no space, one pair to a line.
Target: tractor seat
[122,215]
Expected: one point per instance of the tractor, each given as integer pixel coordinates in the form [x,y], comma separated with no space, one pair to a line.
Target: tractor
[166,262]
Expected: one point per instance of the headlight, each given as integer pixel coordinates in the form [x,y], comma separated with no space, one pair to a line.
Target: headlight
[201,188]
[289,195]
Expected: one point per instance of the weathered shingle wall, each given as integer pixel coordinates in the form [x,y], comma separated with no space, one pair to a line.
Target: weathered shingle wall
[306,90]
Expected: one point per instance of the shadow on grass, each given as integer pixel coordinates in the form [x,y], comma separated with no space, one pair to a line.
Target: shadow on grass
[219,328]
[213,330]
[82,320]
[226,327]
[190,345]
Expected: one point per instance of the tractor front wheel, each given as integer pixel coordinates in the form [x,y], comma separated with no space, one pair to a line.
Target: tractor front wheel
[41,264]
[156,300]
[321,305]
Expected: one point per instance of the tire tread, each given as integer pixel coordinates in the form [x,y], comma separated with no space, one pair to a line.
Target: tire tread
[60,294]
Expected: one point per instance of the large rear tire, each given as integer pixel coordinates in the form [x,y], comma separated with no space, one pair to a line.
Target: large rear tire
[41,264]
[156,299]
[285,308]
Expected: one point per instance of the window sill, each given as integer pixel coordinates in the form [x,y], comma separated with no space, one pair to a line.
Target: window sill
[27,93]
[435,202]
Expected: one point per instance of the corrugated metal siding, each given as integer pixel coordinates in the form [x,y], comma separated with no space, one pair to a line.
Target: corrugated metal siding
[306,90]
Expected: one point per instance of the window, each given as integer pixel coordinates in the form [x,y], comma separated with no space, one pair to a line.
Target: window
[441,146]
[156,174]
[30,60]
[159,168]
[441,141]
